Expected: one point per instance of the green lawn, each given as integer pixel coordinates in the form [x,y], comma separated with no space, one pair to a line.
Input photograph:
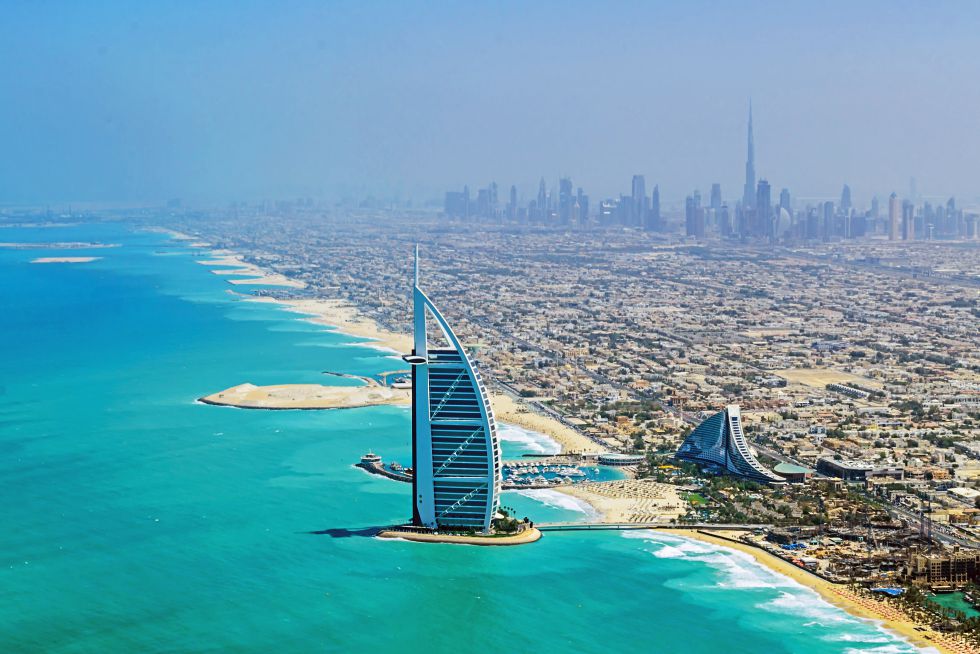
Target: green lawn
[695,499]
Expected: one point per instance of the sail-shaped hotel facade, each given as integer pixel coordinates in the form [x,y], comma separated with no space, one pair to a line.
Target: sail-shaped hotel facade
[455,451]
[720,442]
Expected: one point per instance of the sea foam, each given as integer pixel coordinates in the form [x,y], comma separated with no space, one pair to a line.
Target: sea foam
[742,571]
[534,442]
[893,648]
[559,500]
[739,569]
[806,604]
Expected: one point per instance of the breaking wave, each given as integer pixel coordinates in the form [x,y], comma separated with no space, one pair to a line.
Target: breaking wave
[532,441]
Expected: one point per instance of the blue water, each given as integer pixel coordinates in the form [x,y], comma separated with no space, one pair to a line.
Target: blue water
[136,520]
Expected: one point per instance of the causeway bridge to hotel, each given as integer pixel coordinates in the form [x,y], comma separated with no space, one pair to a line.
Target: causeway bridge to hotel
[611,526]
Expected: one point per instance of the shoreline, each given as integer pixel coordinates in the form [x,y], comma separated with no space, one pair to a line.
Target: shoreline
[530,535]
[844,598]
[345,318]
[228,263]
[306,397]
[511,411]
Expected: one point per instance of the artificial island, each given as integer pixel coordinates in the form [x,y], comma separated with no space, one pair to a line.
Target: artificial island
[456,459]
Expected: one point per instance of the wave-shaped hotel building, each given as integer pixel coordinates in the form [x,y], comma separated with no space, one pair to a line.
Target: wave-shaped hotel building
[719,441]
[455,451]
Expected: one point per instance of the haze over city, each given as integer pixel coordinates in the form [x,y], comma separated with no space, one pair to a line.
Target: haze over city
[136,104]
[632,327]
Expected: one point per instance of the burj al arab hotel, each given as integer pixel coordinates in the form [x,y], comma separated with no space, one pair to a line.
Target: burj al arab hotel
[455,451]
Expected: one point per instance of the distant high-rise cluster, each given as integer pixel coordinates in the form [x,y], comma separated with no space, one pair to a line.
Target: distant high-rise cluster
[752,218]
[568,207]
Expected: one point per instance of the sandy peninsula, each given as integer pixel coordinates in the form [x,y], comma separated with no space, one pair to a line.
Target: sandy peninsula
[856,602]
[65,259]
[306,396]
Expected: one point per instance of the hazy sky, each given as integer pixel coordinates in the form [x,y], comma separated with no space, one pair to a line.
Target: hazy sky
[211,101]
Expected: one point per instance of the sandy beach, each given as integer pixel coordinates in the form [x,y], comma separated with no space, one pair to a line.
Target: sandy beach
[306,396]
[516,412]
[345,318]
[64,259]
[857,603]
[630,500]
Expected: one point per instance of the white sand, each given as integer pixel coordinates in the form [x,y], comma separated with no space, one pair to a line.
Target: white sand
[65,259]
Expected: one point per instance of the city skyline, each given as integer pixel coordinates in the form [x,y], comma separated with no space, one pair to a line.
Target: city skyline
[753,216]
[401,102]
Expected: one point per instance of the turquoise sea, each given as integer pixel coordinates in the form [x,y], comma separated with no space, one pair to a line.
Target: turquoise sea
[133,519]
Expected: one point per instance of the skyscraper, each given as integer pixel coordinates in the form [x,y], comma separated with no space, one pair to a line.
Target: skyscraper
[908,221]
[492,213]
[748,193]
[785,202]
[565,200]
[894,217]
[716,197]
[653,219]
[512,205]
[638,210]
[455,451]
[763,209]
[542,201]
[583,205]
[694,216]
[828,221]
[845,199]
[724,219]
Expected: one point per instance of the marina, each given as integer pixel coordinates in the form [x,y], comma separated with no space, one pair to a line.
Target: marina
[547,472]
